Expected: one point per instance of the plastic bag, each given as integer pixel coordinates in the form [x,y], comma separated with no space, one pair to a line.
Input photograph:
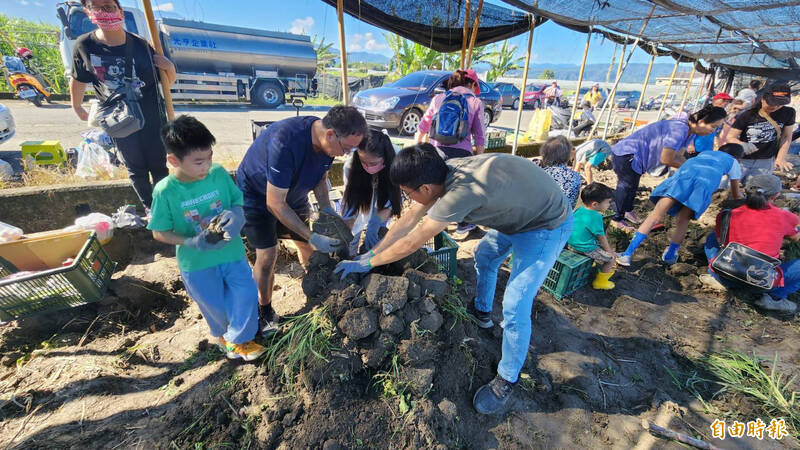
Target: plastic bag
[99,223]
[539,126]
[98,136]
[6,171]
[94,106]
[9,233]
[93,161]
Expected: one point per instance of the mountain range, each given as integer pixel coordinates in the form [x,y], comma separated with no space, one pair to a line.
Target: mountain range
[634,73]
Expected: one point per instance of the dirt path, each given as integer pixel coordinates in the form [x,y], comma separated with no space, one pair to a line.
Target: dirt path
[137,371]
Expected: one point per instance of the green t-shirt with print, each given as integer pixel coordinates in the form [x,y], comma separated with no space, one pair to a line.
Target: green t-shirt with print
[587,225]
[187,208]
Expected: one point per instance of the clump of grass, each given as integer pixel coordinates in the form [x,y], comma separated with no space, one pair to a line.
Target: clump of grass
[455,307]
[619,239]
[393,387]
[304,341]
[743,374]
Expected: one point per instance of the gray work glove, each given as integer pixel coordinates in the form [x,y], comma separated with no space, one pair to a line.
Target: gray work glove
[200,243]
[325,244]
[749,148]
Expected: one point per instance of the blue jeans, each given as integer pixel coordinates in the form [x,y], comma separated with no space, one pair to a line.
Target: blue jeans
[535,252]
[228,298]
[791,271]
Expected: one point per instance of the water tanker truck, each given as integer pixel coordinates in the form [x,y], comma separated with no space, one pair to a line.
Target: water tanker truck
[215,62]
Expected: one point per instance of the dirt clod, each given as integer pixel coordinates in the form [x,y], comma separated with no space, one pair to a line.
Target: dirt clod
[359,323]
[391,324]
[431,322]
[388,293]
[448,409]
[420,380]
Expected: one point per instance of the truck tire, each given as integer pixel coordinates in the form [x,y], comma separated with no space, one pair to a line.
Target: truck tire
[269,94]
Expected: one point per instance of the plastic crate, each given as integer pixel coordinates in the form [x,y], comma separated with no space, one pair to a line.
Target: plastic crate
[445,253]
[570,273]
[52,287]
[495,139]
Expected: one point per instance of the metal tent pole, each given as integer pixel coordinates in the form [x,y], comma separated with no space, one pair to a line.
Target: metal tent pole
[611,115]
[619,75]
[524,82]
[644,89]
[343,52]
[464,37]
[580,80]
[156,41]
[669,86]
[688,87]
[474,34]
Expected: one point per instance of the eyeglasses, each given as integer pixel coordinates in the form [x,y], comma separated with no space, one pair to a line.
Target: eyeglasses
[105,8]
[344,150]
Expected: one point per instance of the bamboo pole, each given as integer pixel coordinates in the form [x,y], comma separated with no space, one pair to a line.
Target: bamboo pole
[155,40]
[580,80]
[688,88]
[702,89]
[343,52]
[464,37]
[644,89]
[474,34]
[616,82]
[611,115]
[524,82]
[669,86]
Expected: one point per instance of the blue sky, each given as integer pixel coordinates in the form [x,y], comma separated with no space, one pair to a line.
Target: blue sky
[552,43]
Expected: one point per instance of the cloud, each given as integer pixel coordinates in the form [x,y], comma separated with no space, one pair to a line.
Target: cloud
[366,41]
[164,7]
[38,4]
[301,26]
[23,2]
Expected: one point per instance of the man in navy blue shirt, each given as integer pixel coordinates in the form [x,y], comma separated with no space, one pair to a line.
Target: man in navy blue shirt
[287,161]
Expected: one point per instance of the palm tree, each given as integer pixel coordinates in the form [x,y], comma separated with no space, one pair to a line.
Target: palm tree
[324,53]
[502,59]
[479,54]
[409,57]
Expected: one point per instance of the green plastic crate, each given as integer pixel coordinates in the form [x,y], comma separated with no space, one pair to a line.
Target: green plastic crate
[83,281]
[495,139]
[570,273]
[445,251]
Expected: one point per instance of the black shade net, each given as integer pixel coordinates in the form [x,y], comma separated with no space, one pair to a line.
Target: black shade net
[756,36]
[438,24]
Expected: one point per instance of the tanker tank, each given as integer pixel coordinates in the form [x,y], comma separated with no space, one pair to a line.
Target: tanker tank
[212,49]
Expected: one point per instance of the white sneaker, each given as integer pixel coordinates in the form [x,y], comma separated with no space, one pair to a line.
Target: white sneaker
[624,260]
[767,302]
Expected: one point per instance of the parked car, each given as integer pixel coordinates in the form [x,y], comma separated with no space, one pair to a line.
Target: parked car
[627,99]
[509,92]
[655,102]
[534,96]
[7,127]
[401,105]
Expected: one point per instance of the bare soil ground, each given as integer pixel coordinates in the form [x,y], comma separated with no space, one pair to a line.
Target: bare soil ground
[137,370]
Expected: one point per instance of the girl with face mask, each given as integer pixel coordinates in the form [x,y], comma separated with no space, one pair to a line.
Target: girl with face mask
[370,199]
[99,58]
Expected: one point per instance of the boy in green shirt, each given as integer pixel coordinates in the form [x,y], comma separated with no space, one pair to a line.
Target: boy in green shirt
[588,235]
[213,267]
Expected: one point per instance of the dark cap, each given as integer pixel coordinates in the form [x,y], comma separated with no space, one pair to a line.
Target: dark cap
[778,95]
[766,184]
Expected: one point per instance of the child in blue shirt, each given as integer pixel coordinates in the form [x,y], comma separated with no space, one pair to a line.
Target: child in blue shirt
[214,269]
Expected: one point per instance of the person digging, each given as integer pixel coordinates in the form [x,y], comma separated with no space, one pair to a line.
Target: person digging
[492,190]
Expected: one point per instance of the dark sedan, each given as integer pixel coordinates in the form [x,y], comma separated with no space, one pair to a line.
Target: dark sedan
[401,105]
[509,92]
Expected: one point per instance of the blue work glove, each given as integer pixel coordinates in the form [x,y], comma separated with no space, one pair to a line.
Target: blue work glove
[235,221]
[357,266]
[325,244]
[200,243]
[371,238]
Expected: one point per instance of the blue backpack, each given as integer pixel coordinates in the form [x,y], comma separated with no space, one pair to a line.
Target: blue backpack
[450,124]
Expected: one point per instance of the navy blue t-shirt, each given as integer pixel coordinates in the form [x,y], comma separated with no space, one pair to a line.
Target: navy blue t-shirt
[283,156]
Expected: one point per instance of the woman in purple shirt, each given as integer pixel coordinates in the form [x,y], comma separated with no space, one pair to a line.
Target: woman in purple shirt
[662,142]
[466,83]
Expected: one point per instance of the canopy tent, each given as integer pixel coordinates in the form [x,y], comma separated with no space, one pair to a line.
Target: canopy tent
[438,24]
[755,36]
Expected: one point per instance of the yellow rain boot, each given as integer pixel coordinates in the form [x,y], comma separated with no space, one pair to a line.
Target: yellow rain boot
[601,281]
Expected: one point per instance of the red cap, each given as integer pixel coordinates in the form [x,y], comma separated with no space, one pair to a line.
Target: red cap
[474,77]
[722,96]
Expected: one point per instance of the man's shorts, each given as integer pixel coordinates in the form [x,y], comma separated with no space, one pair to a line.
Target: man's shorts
[599,255]
[263,230]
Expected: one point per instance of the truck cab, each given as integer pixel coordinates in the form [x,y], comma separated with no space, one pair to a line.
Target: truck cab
[74,23]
